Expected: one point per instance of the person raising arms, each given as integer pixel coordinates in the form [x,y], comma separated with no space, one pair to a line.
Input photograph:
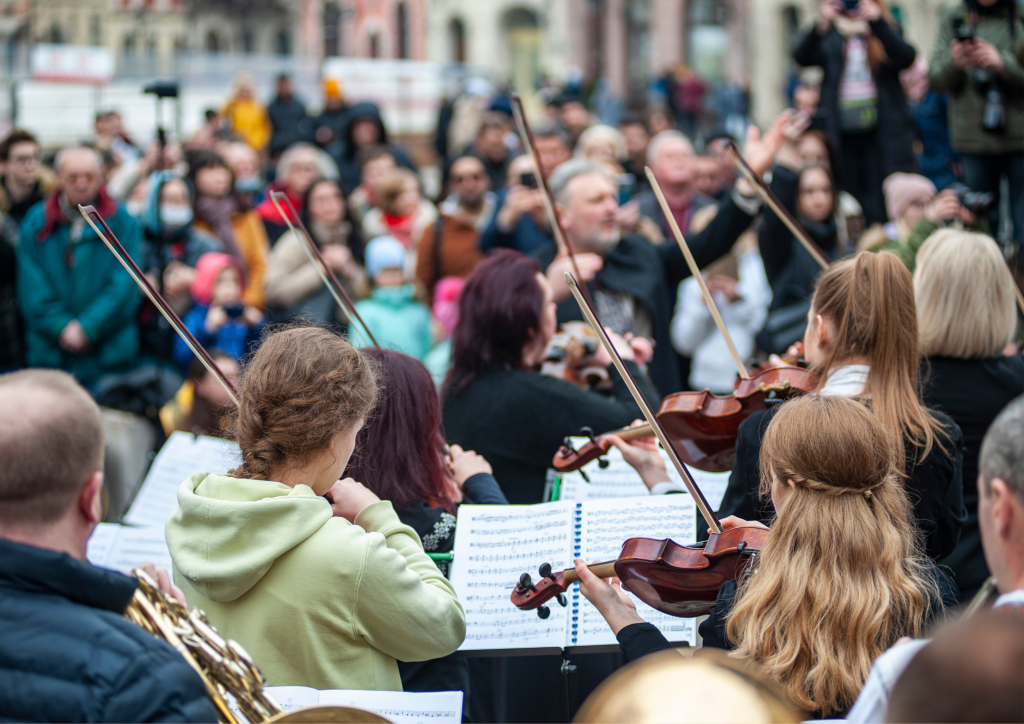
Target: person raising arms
[841,575]
[862,337]
[401,455]
[496,403]
[322,594]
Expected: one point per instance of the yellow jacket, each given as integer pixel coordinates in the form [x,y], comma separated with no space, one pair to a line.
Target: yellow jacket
[249,120]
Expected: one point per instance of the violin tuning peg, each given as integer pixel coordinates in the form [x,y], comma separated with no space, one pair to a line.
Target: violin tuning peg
[587,432]
[545,570]
[603,463]
[562,601]
[543,611]
[525,581]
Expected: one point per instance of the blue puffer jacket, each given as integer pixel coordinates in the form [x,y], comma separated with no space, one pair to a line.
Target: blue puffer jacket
[67,654]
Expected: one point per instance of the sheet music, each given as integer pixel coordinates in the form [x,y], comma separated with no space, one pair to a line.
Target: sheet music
[494,546]
[401,707]
[605,525]
[180,457]
[620,480]
[123,548]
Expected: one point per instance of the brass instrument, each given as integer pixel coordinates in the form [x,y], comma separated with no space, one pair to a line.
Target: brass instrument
[226,669]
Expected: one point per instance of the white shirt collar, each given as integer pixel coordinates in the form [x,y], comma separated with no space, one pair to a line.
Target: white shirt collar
[846,381]
[1013,598]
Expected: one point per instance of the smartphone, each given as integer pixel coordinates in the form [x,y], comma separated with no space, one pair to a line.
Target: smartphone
[528,180]
[962,31]
[234,311]
[849,6]
[627,187]
[817,122]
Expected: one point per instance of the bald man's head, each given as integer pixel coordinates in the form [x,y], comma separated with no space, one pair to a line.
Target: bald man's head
[51,442]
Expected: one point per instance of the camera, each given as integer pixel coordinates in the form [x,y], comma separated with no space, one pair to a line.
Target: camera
[962,31]
[162,89]
[528,179]
[849,6]
[986,84]
[979,203]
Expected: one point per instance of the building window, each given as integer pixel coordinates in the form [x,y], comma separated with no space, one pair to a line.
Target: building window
[95,31]
[128,45]
[56,35]
[708,38]
[284,42]
[402,29]
[457,41]
[247,41]
[212,42]
[638,39]
[374,44]
[332,30]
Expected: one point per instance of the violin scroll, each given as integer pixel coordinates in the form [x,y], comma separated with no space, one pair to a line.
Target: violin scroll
[530,596]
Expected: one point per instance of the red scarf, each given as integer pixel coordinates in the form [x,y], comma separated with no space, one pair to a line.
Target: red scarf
[105,207]
[269,213]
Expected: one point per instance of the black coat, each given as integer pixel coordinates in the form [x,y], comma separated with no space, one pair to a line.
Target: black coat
[934,486]
[348,165]
[972,392]
[651,273]
[895,121]
[67,654]
[289,123]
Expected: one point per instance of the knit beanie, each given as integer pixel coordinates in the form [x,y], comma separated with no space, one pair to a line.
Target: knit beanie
[209,266]
[903,189]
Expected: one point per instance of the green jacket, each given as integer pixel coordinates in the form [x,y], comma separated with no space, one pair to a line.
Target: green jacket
[907,249]
[314,599]
[966,105]
[397,320]
[93,288]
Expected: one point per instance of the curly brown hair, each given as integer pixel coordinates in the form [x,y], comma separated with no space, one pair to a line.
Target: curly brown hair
[303,387]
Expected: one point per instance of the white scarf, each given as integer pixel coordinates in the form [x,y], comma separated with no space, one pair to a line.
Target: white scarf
[846,381]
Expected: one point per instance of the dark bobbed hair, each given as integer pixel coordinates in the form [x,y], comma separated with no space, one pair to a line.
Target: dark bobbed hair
[832,181]
[400,451]
[355,232]
[205,158]
[499,310]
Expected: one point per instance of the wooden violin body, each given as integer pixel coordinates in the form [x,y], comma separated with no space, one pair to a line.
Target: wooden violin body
[678,580]
[568,354]
[703,426]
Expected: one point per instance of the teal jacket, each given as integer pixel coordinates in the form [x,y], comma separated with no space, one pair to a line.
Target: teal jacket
[397,320]
[93,288]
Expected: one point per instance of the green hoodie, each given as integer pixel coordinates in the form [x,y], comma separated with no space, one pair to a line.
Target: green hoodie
[316,600]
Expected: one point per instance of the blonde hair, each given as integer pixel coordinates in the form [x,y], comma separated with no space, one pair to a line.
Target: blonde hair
[964,294]
[870,300]
[842,574]
[601,133]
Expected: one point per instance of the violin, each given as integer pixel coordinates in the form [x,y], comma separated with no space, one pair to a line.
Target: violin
[675,579]
[702,426]
[570,354]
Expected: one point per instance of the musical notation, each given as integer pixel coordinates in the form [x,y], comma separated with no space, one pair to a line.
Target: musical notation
[402,707]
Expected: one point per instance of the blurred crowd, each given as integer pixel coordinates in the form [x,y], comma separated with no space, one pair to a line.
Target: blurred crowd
[884,145]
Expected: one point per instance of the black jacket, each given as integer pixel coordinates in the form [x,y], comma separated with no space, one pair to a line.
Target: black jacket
[651,273]
[935,485]
[972,392]
[517,421]
[348,167]
[790,269]
[290,124]
[895,121]
[67,654]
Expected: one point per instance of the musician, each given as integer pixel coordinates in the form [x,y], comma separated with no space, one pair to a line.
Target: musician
[66,651]
[326,595]
[494,400]
[862,336]
[401,455]
[632,281]
[966,317]
[1001,523]
[841,576]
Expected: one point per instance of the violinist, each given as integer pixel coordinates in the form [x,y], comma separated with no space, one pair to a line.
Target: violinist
[494,399]
[841,575]
[862,337]
[401,455]
[322,594]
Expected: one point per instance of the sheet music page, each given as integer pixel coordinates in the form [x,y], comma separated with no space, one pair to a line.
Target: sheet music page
[180,457]
[620,480]
[605,525]
[100,542]
[494,546]
[292,697]
[135,546]
[443,707]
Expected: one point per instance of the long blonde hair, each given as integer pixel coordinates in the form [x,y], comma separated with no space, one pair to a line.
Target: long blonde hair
[842,574]
[964,294]
[870,300]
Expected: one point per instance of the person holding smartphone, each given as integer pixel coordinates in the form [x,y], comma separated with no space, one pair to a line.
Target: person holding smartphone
[861,50]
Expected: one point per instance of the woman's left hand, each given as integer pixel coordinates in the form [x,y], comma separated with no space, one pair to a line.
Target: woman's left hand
[464,464]
[642,454]
[617,608]
[869,10]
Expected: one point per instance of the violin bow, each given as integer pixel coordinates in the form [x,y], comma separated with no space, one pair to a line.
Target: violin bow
[775,205]
[112,243]
[645,407]
[708,299]
[337,291]
[526,136]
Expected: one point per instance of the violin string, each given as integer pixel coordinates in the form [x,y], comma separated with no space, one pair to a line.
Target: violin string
[156,298]
[775,205]
[645,407]
[526,135]
[708,299]
[323,269]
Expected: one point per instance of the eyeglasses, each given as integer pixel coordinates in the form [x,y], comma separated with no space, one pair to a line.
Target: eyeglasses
[468,177]
[26,160]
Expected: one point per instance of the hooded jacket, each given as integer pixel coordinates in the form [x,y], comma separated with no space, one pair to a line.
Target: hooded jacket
[397,320]
[315,600]
[348,167]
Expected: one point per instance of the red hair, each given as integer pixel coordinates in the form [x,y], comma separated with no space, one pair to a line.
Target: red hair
[400,452]
[499,311]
